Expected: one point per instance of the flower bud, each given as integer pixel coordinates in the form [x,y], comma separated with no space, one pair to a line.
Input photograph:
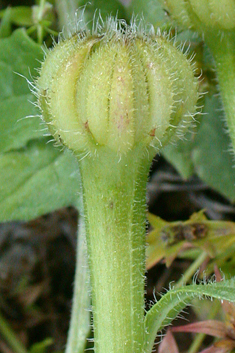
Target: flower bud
[215,13]
[118,88]
[203,14]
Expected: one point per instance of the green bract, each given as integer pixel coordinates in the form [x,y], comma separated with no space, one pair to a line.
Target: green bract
[118,87]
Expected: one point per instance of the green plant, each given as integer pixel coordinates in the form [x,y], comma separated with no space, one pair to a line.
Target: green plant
[114,98]
[146,74]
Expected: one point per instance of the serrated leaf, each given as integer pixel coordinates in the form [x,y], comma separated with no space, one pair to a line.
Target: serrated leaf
[36,180]
[18,54]
[170,305]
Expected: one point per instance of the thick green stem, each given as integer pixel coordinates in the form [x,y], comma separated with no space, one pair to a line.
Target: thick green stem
[223,49]
[114,191]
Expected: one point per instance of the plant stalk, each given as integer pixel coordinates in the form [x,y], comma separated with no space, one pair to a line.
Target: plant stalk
[80,317]
[222,47]
[191,270]
[9,335]
[114,194]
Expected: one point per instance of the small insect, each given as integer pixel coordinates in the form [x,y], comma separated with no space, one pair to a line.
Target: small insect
[174,234]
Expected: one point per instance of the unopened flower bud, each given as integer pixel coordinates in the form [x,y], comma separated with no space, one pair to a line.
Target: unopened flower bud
[214,13]
[195,14]
[214,20]
[117,88]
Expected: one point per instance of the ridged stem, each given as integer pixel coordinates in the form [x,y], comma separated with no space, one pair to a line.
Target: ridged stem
[114,193]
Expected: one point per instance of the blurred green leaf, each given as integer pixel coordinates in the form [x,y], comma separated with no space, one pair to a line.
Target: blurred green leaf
[89,10]
[151,10]
[66,10]
[106,8]
[8,334]
[19,15]
[41,347]
[35,177]
[16,128]
[207,152]
[5,26]
[179,155]
[19,55]
[35,180]
[212,160]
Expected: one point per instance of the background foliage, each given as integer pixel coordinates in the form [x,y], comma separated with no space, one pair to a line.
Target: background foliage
[36,178]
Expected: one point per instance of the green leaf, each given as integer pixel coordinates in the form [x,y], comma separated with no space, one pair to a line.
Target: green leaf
[212,160]
[179,155]
[106,8]
[8,334]
[35,177]
[36,180]
[66,11]
[41,347]
[18,54]
[5,26]
[207,152]
[17,128]
[20,15]
[151,10]
[170,305]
